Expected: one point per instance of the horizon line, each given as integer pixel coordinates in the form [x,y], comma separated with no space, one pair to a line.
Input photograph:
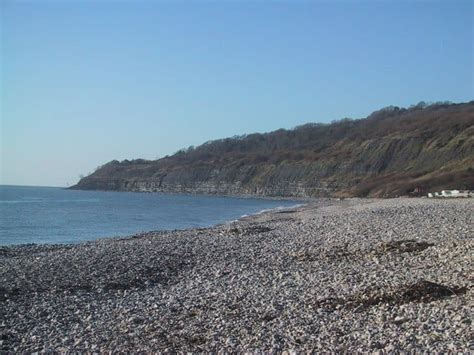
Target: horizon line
[16,185]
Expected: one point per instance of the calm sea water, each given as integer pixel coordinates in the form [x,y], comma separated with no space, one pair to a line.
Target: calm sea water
[55,215]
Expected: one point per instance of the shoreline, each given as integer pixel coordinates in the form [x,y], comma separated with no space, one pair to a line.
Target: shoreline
[157,218]
[350,275]
[118,237]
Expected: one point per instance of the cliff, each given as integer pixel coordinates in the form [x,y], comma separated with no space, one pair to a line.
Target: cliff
[386,154]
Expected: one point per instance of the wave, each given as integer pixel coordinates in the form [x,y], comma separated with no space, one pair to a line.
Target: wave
[280,208]
[276,209]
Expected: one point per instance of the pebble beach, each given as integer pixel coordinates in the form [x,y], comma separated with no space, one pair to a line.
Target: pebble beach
[332,275]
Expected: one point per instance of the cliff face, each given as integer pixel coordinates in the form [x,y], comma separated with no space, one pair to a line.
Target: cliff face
[389,153]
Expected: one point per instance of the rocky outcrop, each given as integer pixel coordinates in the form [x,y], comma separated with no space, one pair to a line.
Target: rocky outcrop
[389,153]
[284,180]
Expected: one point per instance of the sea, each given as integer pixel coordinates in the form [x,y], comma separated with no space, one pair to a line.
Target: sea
[53,215]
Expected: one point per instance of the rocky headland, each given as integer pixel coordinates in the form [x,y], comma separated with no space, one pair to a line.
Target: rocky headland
[350,275]
[388,154]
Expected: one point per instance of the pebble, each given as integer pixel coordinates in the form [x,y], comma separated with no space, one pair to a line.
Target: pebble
[323,278]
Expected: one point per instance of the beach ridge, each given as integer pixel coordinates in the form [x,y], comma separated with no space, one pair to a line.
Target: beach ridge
[336,275]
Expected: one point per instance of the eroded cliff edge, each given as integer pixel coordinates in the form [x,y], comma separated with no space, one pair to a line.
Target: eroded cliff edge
[388,153]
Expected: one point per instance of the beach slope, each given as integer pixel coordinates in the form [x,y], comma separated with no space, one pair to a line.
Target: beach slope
[333,275]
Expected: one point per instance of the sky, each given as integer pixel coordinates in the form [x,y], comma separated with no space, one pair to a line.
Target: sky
[86,82]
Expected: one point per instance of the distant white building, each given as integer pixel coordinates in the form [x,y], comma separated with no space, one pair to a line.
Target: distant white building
[452,193]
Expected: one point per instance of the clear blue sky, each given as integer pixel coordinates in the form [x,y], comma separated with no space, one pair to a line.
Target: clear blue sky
[87,82]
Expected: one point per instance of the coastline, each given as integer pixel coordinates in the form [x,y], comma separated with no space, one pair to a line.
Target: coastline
[354,275]
[64,216]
